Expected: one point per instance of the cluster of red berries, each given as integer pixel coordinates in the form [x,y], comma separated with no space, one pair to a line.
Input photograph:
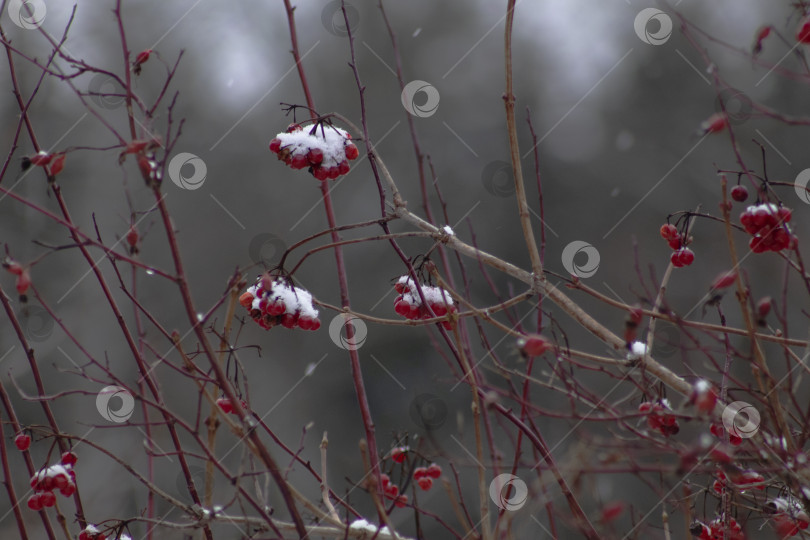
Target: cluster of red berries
[59,477]
[681,255]
[324,149]
[23,276]
[52,163]
[425,476]
[91,532]
[717,530]
[409,303]
[743,481]
[226,406]
[660,417]
[391,491]
[719,431]
[272,302]
[789,516]
[767,223]
[22,441]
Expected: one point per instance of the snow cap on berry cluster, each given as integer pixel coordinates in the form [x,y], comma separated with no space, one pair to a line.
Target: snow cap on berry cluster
[325,149]
[295,299]
[53,471]
[433,295]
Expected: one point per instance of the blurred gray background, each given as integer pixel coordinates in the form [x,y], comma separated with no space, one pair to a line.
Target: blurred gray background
[616,117]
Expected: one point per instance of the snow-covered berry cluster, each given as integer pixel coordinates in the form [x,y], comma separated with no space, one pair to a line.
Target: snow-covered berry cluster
[660,417]
[391,491]
[272,302]
[768,223]
[325,149]
[56,477]
[716,530]
[681,255]
[91,532]
[789,516]
[424,476]
[409,303]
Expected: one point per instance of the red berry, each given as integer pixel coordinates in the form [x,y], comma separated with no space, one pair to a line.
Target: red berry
[68,490]
[611,511]
[320,173]
[534,345]
[687,256]
[724,280]
[315,156]
[23,282]
[343,167]
[715,123]
[246,300]
[739,193]
[225,405]
[333,172]
[704,397]
[22,441]
[289,320]
[425,483]
[675,242]
[299,161]
[668,231]
[764,307]
[142,57]
[34,502]
[351,151]
[275,145]
[41,158]
[401,501]
[316,323]
[391,491]
[385,480]
[47,498]
[803,32]
[69,458]
[57,165]
[434,470]
[399,454]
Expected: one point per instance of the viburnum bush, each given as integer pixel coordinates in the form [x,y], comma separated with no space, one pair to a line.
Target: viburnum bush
[499,387]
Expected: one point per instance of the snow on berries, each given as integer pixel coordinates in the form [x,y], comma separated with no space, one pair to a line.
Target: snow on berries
[91,532]
[409,303]
[789,516]
[56,477]
[325,149]
[717,530]
[768,223]
[273,302]
[660,417]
